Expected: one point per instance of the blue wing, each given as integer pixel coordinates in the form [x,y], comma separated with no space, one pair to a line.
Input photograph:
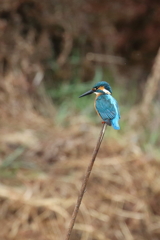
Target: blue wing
[118,109]
[107,107]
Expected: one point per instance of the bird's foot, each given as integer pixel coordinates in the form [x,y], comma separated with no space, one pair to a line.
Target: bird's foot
[103,122]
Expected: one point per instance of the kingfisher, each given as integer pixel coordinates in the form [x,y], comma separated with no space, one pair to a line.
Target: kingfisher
[105,105]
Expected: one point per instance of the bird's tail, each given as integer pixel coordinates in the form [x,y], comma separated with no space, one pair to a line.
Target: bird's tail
[115,124]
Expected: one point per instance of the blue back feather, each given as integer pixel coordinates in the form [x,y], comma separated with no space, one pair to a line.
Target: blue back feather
[108,109]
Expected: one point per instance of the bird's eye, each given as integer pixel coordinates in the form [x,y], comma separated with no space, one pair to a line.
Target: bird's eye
[94,89]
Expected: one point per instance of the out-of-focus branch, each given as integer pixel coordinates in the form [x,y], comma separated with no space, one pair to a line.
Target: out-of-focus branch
[102,58]
[152,84]
[140,114]
[66,49]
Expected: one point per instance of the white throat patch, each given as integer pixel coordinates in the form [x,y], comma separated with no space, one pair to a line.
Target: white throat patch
[106,91]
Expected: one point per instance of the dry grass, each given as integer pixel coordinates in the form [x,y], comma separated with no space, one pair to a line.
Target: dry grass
[122,197]
[42,166]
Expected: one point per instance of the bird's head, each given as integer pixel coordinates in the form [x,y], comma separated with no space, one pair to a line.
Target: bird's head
[99,88]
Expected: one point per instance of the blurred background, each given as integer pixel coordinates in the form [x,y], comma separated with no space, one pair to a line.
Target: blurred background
[50,53]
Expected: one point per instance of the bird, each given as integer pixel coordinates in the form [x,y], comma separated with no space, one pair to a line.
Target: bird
[105,105]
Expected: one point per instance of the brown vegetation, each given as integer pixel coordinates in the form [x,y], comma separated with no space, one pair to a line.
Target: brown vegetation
[122,197]
[41,163]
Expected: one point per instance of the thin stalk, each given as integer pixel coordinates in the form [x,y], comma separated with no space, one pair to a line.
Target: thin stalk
[84,183]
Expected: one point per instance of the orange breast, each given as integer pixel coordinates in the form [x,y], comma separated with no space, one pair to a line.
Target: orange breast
[95,105]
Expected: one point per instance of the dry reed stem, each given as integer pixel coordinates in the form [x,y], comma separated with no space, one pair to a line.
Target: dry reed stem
[84,183]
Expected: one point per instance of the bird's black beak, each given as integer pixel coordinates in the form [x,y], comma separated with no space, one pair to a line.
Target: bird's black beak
[87,93]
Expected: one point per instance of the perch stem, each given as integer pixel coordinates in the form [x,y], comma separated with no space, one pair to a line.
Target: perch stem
[85,181]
